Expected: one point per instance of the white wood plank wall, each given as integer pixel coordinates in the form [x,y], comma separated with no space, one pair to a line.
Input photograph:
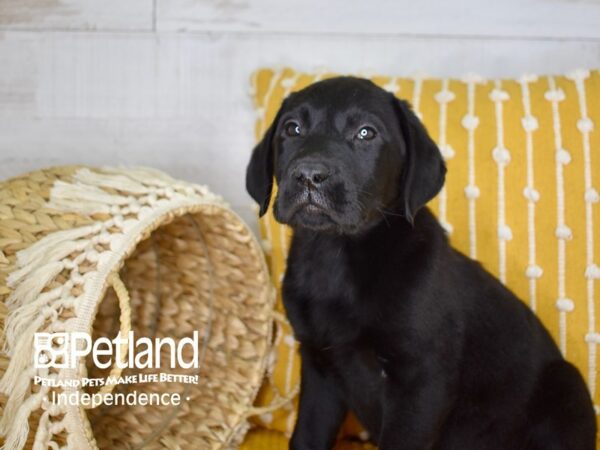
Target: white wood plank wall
[165,82]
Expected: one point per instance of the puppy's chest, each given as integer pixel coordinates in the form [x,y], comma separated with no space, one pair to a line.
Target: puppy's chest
[323,322]
[333,317]
[322,305]
[333,303]
[340,339]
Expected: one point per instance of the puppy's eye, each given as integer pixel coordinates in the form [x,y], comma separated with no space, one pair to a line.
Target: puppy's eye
[292,129]
[366,133]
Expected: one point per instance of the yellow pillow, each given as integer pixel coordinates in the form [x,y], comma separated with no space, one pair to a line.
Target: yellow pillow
[521,196]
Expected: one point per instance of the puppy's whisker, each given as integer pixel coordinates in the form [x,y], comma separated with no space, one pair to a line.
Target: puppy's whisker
[390,213]
[363,191]
[380,211]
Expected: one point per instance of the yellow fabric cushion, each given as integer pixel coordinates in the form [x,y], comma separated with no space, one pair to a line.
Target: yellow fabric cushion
[521,196]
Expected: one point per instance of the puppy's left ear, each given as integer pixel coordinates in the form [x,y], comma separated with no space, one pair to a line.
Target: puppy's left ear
[259,173]
[424,170]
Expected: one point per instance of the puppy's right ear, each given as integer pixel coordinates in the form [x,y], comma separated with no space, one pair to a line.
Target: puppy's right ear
[259,173]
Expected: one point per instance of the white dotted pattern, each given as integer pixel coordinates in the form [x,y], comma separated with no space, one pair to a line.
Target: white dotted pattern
[501,155]
[443,97]
[563,233]
[592,272]
[530,124]
[416,98]
[470,122]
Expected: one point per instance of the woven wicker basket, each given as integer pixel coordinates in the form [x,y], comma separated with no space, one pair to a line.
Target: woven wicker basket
[108,250]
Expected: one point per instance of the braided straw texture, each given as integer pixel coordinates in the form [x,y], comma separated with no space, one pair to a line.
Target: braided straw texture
[187,262]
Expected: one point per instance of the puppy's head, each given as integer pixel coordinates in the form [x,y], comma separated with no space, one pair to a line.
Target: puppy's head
[344,153]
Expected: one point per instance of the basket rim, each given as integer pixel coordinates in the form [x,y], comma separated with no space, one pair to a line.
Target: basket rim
[144,228]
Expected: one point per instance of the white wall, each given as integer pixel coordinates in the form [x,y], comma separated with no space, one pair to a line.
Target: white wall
[165,83]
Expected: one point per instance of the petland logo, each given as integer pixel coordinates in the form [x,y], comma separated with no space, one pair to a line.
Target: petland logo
[64,350]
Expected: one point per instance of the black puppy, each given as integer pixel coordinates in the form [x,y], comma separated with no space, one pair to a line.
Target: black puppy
[428,349]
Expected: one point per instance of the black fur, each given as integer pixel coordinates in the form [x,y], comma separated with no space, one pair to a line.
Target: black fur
[428,349]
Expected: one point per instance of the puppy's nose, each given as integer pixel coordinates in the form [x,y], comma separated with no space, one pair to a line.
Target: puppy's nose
[311,173]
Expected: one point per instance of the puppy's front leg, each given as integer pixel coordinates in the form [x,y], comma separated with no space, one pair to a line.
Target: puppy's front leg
[321,410]
[414,410]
